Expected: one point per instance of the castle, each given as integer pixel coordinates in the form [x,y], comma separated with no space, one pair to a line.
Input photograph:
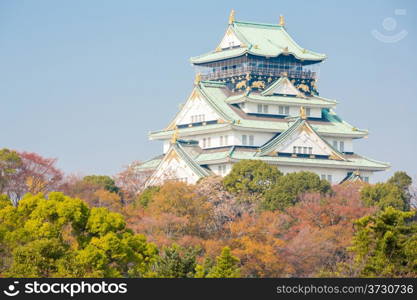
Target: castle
[256,97]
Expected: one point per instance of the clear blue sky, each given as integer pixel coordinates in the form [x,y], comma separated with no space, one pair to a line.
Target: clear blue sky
[85,81]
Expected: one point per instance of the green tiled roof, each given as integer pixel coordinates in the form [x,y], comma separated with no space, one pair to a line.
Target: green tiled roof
[219,55]
[352,162]
[209,156]
[186,130]
[262,40]
[358,162]
[313,101]
[282,81]
[217,97]
[272,144]
[150,164]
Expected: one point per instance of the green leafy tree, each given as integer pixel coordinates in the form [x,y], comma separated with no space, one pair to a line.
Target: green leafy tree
[227,266]
[145,197]
[10,162]
[401,179]
[201,271]
[177,262]
[104,181]
[289,187]
[384,195]
[62,237]
[385,245]
[404,182]
[251,177]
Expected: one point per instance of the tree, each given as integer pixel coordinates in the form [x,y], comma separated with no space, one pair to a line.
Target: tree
[103,181]
[385,245]
[92,191]
[226,206]
[62,237]
[251,177]
[227,266]
[10,163]
[403,182]
[256,241]
[290,187]
[145,197]
[36,174]
[131,181]
[180,200]
[318,229]
[177,262]
[384,195]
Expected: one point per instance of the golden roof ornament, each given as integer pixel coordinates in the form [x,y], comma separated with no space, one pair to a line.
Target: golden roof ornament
[174,137]
[232,17]
[303,113]
[197,78]
[281,20]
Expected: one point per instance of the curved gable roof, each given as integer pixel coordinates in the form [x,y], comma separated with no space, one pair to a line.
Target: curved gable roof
[259,39]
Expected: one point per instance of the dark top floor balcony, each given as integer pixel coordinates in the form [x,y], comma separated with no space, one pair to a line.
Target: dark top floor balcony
[259,66]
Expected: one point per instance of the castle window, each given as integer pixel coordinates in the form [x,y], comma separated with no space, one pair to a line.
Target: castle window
[283,110]
[244,139]
[251,140]
[335,144]
[329,178]
[342,146]
[265,109]
[197,118]
[300,149]
[366,179]
[209,142]
[294,149]
[225,140]
[308,111]
[260,108]
[204,143]
[323,177]
[219,169]
[310,150]
[305,150]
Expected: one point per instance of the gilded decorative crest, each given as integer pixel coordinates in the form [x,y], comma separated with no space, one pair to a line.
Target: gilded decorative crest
[232,16]
[258,84]
[197,78]
[281,20]
[174,137]
[241,84]
[303,113]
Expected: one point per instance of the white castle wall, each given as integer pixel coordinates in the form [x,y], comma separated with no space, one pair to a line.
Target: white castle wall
[260,138]
[196,107]
[337,175]
[273,109]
